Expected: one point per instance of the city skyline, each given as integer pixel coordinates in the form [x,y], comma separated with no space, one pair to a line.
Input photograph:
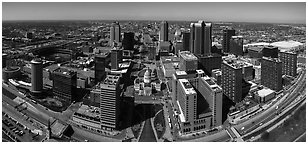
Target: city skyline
[275,12]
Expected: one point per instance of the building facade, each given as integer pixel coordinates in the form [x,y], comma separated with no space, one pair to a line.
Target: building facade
[188,61]
[209,62]
[64,85]
[236,45]
[271,73]
[270,51]
[200,37]
[36,76]
[115,33]
[227,34]
[289,63]
[163,34]
[110,102]
[99,67]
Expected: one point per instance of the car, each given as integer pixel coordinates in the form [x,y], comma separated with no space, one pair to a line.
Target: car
[261,124]
[242,128]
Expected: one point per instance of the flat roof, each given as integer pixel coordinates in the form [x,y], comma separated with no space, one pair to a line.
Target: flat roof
[211,83]
[236,64]
[64,71]
[256,48]
[187,87]
[111,80]
[188,55]
[181,73]
[265,92]
[272,59]
[86,110]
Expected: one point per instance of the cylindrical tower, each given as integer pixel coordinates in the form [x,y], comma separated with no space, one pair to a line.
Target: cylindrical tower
[36,76]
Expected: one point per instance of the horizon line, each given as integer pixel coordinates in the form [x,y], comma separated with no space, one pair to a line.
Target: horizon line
[153,20]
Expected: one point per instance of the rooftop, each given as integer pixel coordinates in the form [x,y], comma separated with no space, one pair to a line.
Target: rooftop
[264,92]
[89,111]
[188,55]
[237,37]
[181,73]
[256,48]
[286,44]
[111,80]
[270,47]
[211,83]
[187,86]
[235,63]
[272,59]
[64,71]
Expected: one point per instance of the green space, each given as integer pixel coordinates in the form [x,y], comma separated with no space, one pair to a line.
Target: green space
[290,129]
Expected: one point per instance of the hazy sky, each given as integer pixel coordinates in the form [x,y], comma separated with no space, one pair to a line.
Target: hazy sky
[281,12]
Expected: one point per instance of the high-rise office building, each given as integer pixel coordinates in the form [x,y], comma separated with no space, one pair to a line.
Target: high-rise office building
[289,63]
[163,34]
[213,94]
[235,74]
[271,73]
[116,58]
[115,33]
[236,45]
[188,61]
[199,100]
[207,38]
[187,98]
[128,40]
[227,34]
[99,68]
[185,40]
[231,81]
[110,102]
[200,37]
[270,51]
[64,85]
[208,62]
[36,76]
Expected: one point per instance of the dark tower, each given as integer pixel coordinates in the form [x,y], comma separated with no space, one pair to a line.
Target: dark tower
[227,34]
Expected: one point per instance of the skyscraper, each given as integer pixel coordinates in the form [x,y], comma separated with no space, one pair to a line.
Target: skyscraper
[227,34]
[99,68]
[271,73]
[207,38]
[185,40]
[289,63]
[64,85]
[163,34]
[36,76]
[116,58]
[110,102]
[128,41]
[199,100]
[200,37]
[235,74]
[236,45]
[115,33]
[231,81]
[213,94]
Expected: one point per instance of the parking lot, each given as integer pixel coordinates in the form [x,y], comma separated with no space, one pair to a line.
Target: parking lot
[17,131]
